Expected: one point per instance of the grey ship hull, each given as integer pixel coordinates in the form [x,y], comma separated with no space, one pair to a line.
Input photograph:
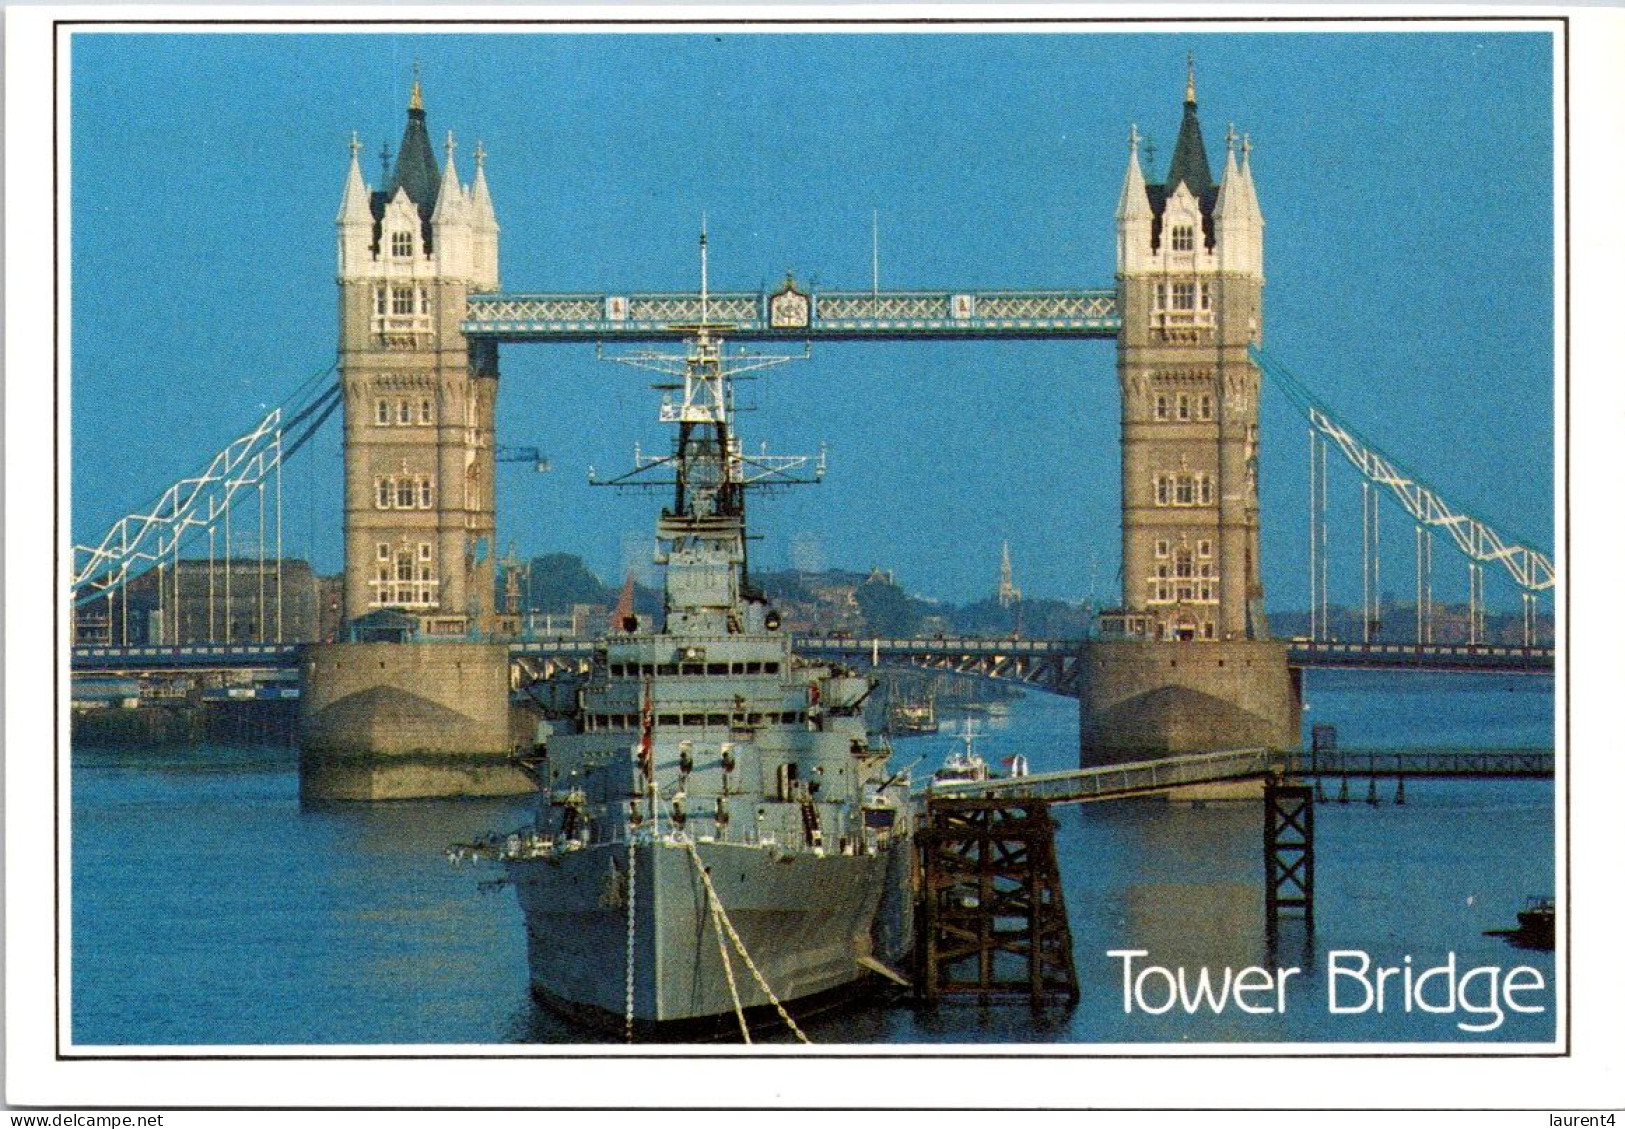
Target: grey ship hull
[806,920]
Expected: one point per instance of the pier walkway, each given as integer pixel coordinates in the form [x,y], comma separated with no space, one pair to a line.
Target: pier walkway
[1138,778]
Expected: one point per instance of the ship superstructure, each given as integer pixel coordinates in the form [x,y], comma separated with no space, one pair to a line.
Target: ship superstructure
[717,830]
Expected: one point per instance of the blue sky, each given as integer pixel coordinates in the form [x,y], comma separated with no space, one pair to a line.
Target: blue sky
[1406,180]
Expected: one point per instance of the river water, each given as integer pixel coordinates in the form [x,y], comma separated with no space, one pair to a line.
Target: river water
[210,908]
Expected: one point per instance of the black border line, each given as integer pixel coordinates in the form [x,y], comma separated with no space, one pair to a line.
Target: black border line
[1556,25]
[56,541]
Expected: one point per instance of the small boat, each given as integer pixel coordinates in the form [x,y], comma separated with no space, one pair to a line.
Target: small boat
[964,765]
[911,717]
[1537,925]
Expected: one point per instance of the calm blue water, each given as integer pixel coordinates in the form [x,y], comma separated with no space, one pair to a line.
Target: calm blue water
[209,907]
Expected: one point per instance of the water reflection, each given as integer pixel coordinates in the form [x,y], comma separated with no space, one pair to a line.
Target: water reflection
[211,907]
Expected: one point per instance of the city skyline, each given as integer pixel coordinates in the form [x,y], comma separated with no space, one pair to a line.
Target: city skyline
[1409,257]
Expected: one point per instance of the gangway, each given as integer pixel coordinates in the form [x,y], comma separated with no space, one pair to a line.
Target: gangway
[1139,778]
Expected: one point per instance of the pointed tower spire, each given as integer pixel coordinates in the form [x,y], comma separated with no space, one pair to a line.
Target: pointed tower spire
[1135,212]
[415,167]
[484,212]
[1232,196]
[448,204]
[355,206]
[1189,166]
[1247,179]
[1133,203]
[483,220]
[1008,592]
[355,216]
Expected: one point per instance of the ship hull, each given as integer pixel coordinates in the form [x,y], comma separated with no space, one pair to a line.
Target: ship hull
[807,921]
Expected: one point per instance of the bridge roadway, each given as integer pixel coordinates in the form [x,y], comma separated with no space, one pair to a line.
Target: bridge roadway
[1139,778]
[1048,664]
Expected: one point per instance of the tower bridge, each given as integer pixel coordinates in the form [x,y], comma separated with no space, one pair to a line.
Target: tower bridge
[1189,662]
[424,314]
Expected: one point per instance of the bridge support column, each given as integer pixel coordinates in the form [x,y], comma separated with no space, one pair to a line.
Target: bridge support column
[1140,700]
[396,721]
[1289,853]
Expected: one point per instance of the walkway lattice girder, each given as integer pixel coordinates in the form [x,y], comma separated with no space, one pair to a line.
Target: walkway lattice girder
[835,315]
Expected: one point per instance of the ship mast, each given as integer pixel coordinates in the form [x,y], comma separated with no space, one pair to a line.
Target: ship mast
[708,471]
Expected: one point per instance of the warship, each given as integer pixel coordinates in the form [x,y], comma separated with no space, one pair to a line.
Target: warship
[718,836]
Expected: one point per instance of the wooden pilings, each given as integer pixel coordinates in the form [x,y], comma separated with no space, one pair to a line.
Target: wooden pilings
[992,917]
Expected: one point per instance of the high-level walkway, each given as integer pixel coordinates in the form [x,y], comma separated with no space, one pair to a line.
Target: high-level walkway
[793,315]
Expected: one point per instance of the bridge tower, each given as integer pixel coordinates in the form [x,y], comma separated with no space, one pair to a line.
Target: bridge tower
[380,716]
[1186,663]
[1190,269]
[419,403]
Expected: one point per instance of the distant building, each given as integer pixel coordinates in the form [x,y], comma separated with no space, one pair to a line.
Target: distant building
[199,602]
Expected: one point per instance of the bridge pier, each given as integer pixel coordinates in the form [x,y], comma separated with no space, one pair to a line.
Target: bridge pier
[398,721]
[1139,699]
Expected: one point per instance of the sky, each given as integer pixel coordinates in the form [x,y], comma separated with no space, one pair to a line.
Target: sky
[1406,181]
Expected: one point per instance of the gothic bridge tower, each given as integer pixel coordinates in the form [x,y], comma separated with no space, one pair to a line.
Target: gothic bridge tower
[1186,663]
[419,499]
[381,716]
[1190,269]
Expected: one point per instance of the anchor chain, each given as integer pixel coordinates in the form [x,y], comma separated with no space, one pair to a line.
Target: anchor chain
[631,926]
[733,935]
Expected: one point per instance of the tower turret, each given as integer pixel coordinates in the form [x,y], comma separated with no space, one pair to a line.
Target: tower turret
[485,228]
[355,220]
[1238,225]
[450,220]
[1134,216]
